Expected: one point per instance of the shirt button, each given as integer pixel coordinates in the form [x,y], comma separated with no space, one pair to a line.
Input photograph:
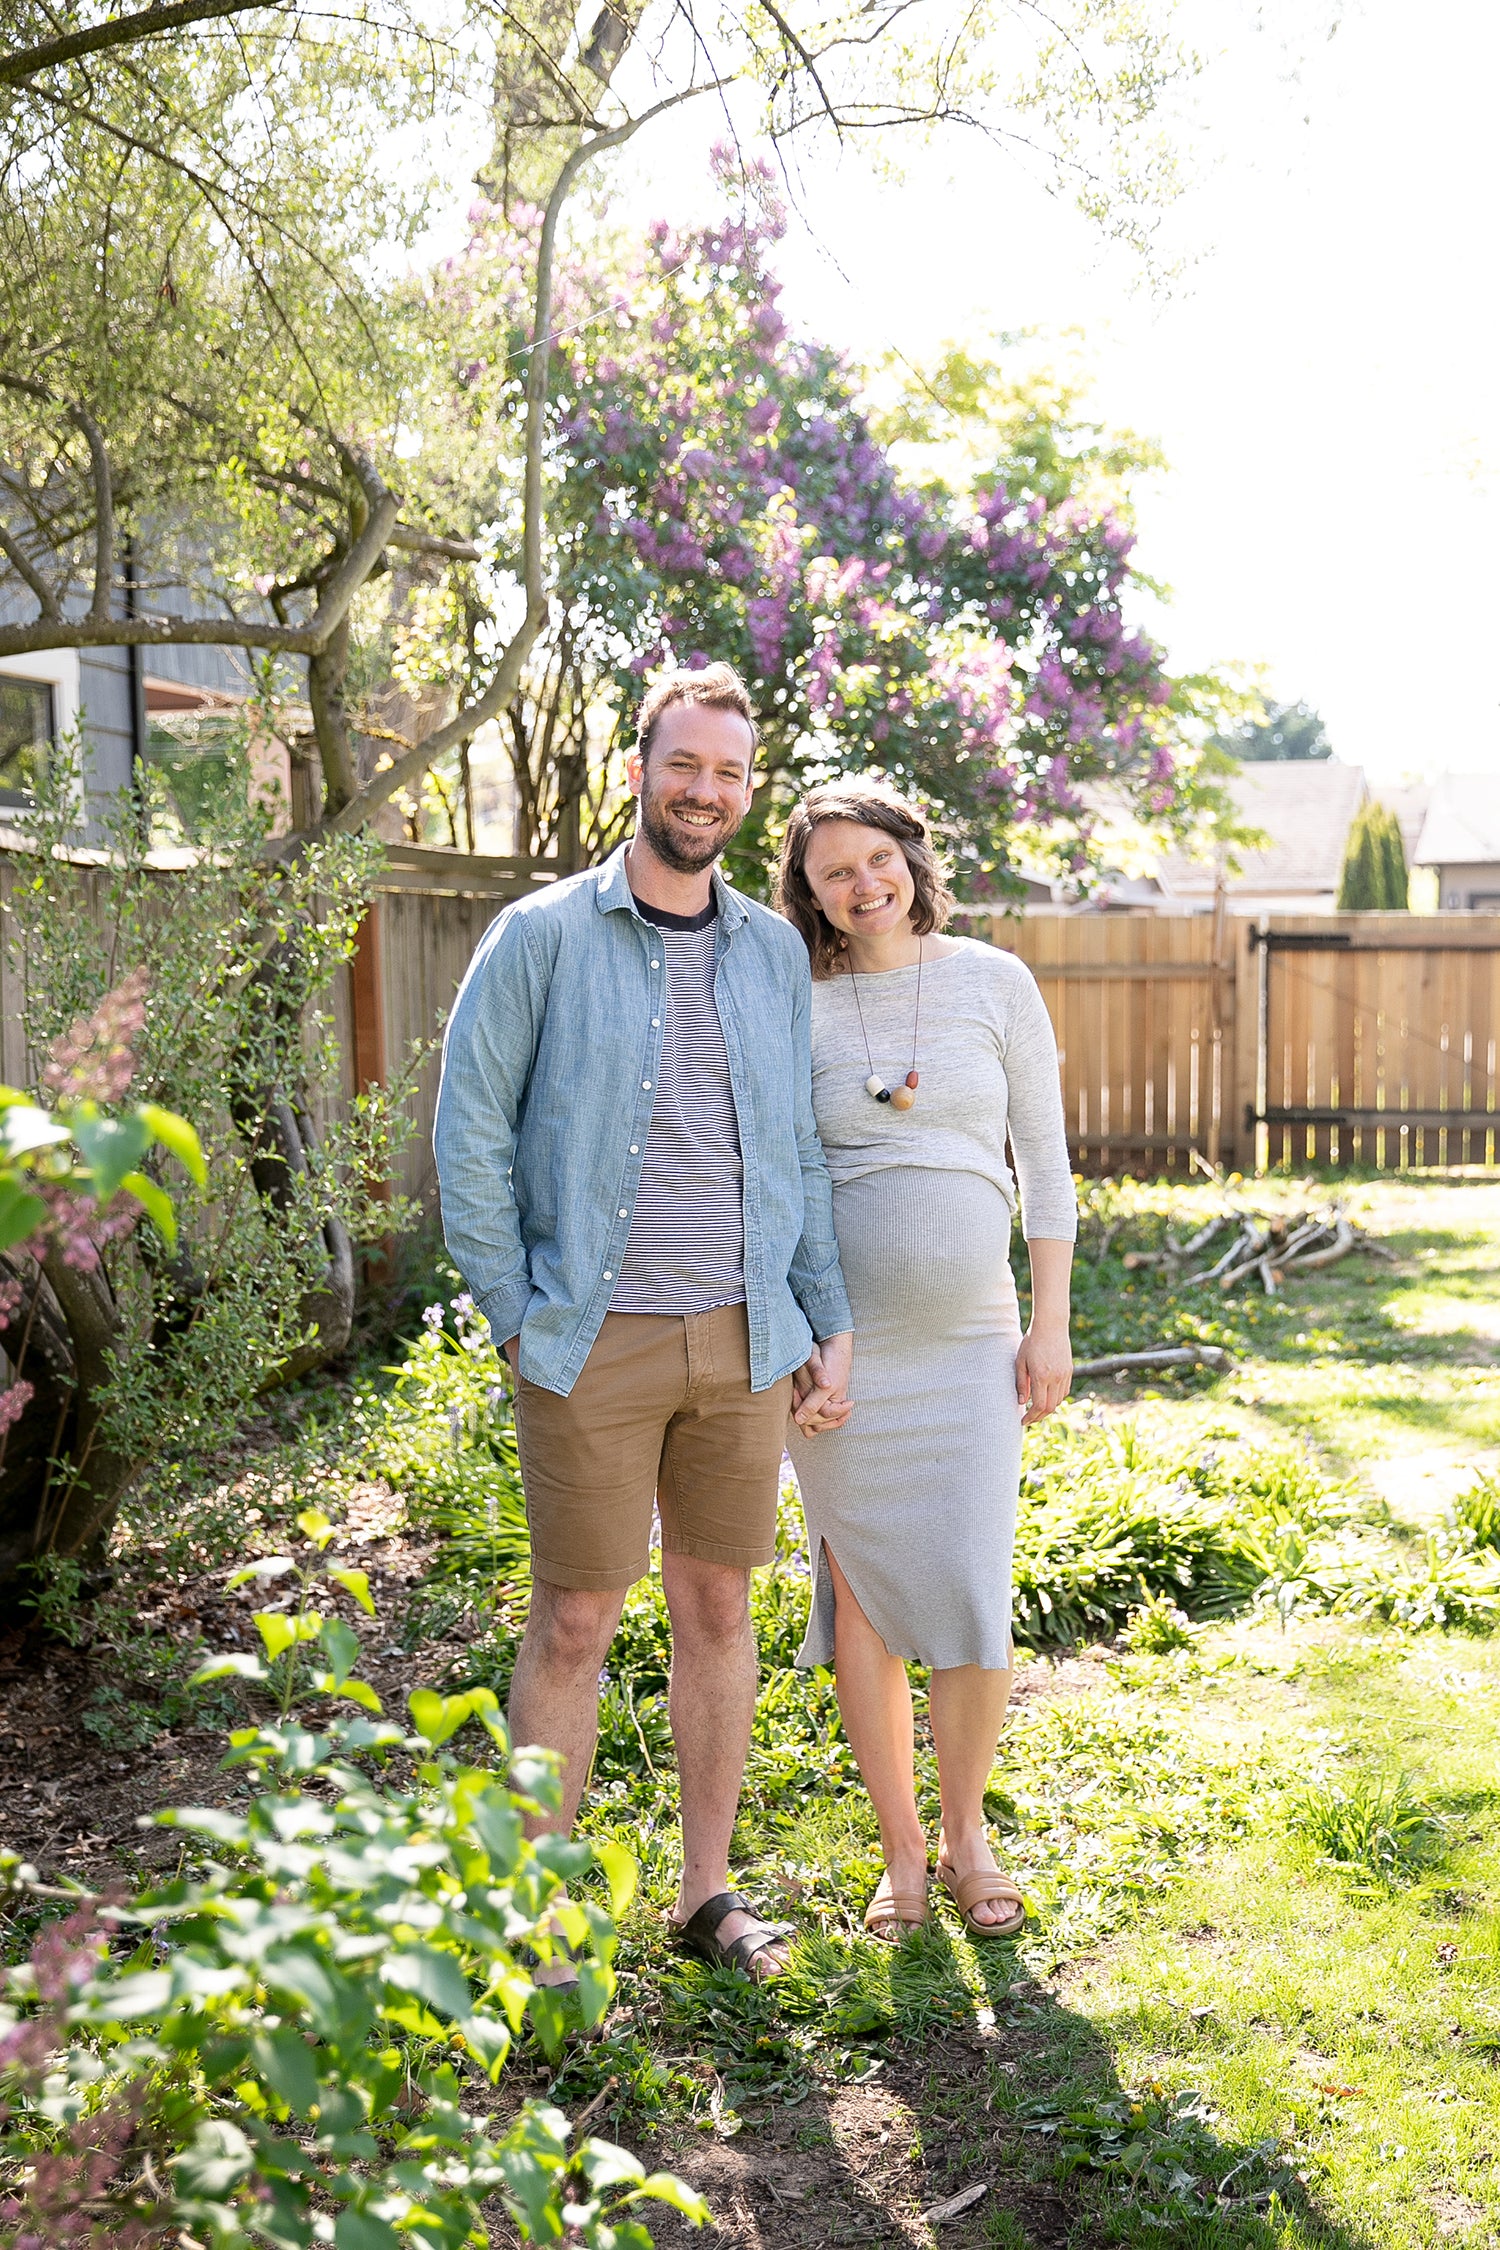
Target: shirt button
[609,1277]
[645,1085]
[656,964]
[656,1023]
[635,1148]
[624,1214]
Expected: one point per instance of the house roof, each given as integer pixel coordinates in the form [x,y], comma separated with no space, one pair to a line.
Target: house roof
[1305,807]
[1409,801]
[1462,827]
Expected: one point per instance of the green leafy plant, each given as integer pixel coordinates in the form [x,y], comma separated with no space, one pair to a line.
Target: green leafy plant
[1158,1627]
[1476,1512]
[1374,1824]
[61,1166]
[151,1343]
[297,1625]
[312,2019]
[1156,2147]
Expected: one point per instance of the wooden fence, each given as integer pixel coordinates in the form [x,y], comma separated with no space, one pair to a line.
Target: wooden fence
[1370,1039]
[1333,1039]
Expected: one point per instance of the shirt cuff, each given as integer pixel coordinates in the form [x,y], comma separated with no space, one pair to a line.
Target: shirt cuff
[827,1312]
[505,1309]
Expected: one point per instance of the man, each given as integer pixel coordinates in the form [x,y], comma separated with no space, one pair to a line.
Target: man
[633,1189]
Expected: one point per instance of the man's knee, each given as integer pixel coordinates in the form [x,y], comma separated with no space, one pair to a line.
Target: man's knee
[707,1601]
[569,1628]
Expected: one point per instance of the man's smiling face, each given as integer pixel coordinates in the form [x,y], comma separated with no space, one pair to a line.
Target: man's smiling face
[695,784]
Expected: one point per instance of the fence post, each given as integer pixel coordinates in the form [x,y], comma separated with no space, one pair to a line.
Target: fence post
[367,1002]
[1242,1079]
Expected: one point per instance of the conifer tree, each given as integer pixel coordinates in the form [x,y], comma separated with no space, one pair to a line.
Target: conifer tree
[1374,872]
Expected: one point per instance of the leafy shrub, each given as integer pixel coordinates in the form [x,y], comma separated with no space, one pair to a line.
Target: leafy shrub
[157,1348]
[1158,1627]
[1450,1585]
[1110,1523]
[313,2018]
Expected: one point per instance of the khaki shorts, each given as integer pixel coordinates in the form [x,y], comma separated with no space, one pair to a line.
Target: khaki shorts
[662,1411]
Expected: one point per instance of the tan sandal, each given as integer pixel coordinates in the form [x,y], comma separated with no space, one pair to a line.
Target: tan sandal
[891,1914]
[984,1887]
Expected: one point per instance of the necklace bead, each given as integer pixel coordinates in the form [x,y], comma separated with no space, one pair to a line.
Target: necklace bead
[902,1096]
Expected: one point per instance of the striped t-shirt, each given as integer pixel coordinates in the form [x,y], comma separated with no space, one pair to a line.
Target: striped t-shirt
[686,1251]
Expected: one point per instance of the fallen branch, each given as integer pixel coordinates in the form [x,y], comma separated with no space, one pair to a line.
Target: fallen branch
[1166,1355]
[1343,1242]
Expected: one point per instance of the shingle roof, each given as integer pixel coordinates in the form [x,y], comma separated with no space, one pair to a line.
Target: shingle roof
[1305,806]
[1463,822]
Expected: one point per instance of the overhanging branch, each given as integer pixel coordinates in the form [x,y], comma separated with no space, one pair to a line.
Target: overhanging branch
[404,771]
[25,62]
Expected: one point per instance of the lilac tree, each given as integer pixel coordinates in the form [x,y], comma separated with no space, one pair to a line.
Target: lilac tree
[719,491]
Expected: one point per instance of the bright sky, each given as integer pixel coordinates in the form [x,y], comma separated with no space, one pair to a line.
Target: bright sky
[1323,380]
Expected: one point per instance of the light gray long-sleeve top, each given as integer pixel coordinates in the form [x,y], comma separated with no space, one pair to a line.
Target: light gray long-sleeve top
[987,1061]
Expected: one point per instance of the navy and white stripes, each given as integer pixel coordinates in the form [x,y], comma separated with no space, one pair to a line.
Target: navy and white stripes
[686,1251]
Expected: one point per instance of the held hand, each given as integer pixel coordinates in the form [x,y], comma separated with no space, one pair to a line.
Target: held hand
[1044,1372]
[820,1389]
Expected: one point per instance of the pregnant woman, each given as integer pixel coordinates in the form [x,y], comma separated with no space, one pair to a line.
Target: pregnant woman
[927,1050]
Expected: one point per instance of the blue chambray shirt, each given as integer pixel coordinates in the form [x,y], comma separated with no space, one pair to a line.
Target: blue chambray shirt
[549,1072]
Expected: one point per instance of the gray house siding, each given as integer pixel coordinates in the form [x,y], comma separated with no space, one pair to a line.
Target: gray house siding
[106,690]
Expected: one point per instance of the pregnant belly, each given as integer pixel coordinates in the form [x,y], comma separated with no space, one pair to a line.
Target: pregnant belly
[926,1250]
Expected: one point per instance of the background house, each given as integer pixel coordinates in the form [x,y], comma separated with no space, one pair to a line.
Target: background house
[1450,830]
[131,707]
[1305,808]
[1460,841]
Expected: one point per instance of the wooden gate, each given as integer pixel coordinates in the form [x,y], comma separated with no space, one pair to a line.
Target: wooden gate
[1378,1040]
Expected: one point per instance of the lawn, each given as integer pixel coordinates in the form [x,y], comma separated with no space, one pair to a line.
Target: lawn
[1249,1783]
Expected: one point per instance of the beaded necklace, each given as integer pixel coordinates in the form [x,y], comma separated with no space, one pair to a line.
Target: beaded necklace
[902,1096]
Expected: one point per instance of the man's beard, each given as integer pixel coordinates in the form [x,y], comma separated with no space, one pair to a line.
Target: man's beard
[671,846]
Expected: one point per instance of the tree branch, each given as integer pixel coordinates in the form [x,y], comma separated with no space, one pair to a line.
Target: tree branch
[472,716]
[808,63]
[104,512]
[99,630]
[123,31]
[16,557]
[415,542]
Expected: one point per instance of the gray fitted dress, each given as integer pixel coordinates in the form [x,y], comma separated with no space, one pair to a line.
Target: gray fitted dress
[916,1495]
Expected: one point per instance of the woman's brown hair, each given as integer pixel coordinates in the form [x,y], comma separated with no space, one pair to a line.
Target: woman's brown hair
[871,804]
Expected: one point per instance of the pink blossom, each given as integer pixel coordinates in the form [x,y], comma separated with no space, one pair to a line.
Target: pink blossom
[95,1059]
[13,1404]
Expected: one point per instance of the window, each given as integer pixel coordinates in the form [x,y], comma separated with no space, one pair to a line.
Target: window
[28,728]
[199,760]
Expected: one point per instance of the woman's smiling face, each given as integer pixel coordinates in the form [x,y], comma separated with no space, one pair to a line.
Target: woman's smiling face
[859,878]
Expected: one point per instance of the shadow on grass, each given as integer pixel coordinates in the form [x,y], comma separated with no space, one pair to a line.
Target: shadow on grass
[870,2087]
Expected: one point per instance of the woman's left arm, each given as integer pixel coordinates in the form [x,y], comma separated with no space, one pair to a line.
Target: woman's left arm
[1044,1362]
[1049,1201]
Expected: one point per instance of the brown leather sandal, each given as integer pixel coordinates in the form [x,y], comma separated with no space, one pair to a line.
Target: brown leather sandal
[985,1886]
[892,1915]
[700,1934]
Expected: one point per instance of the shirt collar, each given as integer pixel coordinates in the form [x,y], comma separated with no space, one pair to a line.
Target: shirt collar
[613,892]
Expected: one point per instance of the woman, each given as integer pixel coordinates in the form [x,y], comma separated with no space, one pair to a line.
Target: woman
[926,1050]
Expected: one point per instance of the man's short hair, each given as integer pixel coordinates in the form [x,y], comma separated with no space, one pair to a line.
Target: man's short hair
[718,687]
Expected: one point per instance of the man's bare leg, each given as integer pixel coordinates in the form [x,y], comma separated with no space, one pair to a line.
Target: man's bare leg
[554,1697]
[712,1707]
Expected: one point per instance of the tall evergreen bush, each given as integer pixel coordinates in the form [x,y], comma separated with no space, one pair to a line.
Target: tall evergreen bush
[1374,873]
